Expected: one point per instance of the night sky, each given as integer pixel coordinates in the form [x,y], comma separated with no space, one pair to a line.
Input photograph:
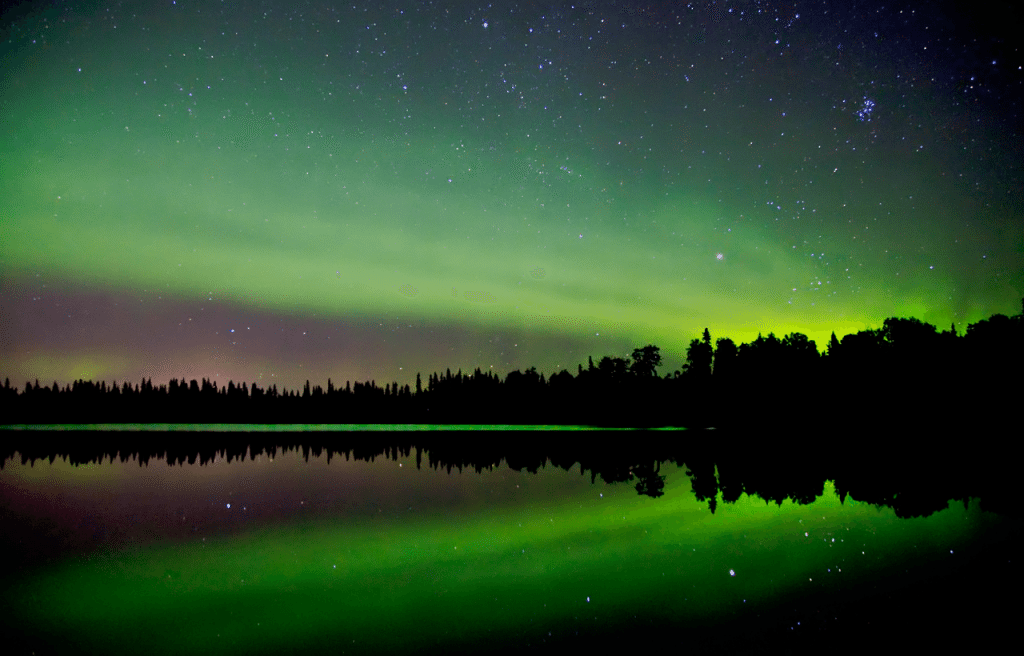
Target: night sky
[283,191]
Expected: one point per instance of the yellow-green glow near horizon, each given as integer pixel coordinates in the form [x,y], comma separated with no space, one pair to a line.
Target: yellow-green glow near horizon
[546,187]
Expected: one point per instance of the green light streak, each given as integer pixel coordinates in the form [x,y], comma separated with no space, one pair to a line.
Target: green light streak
[507,199]
[305,428]
[219,229]
[509,573]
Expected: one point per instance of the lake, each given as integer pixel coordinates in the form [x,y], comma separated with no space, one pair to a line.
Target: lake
[292,554]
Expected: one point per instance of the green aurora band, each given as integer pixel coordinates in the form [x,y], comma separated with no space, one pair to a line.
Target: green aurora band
[405,172]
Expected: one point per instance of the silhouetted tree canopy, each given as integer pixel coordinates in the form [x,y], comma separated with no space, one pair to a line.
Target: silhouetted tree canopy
[889,375]
[699,357]
[646,360]
[878,393]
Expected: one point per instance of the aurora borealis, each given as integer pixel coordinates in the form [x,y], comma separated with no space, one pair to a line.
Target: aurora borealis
[284,191]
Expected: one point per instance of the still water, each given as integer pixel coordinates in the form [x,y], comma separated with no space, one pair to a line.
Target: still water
[289,555]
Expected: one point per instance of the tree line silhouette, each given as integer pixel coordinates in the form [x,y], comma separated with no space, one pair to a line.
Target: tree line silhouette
[880,412]
[905,374]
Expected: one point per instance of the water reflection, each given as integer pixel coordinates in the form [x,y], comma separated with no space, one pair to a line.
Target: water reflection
[283,553]
[95,506]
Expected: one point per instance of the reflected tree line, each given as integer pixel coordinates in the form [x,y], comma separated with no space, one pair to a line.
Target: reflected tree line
[906,374]
[905,416]
[916,479]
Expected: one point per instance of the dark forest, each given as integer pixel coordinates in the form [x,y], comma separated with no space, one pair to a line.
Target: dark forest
[905,374]
[904,416]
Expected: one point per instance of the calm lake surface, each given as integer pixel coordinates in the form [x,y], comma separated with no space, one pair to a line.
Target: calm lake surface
[289,555]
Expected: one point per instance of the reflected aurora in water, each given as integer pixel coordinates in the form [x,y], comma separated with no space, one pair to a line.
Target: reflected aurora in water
[283,554]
